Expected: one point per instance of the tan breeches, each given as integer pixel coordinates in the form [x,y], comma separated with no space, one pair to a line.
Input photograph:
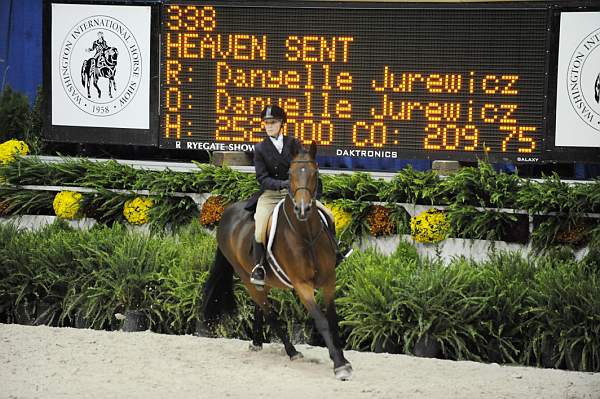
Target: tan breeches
[264,209]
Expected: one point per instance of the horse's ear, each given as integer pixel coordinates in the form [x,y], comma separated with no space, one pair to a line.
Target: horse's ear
[295,150]
[313,149]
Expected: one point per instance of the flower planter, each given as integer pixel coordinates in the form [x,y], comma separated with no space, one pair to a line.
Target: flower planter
[202,330]
[43,313]
[386,346]
[80,321]
[573,358]
[25,313]
[548,357]
[493,352]
[135,320]
[478,250]
[519,233]
[37,222]
[427,346]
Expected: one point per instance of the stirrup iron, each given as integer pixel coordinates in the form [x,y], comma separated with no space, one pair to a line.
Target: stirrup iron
[258,268]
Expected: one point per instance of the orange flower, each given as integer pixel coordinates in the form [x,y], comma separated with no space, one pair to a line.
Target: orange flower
[212,210]
[379,221]
[3,208]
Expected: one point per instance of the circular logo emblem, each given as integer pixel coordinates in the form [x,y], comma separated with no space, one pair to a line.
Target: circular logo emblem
[100,65]
[583,80]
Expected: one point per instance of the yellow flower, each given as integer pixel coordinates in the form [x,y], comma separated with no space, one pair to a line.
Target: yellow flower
[341,218]
[430,226]
[137,210]
[66,204]
[10,148]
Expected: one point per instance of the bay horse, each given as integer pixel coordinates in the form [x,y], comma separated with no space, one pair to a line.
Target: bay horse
[304,250]
[91,71]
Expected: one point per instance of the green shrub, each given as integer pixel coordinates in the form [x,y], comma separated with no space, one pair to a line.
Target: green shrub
[20,202]
[125,280]
[506,284]
[442,305]
[563,315]
[357,186]
[14,115]
[370,310]
[482,186]
[173,212]
[414,187]
[177,297]
[38,269]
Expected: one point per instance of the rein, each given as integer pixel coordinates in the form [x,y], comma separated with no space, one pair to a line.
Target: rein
[310,243]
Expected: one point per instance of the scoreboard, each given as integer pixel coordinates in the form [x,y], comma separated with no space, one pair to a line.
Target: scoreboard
[502,81]
[381,81]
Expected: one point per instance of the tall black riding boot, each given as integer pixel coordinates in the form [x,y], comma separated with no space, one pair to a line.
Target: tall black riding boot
[257,277]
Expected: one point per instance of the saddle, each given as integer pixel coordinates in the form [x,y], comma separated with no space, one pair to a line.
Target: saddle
[100,60]
[252,202]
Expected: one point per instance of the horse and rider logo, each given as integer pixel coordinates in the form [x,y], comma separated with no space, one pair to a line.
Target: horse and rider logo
[583,80]
[100,65]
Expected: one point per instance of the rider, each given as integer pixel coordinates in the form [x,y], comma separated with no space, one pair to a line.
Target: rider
[99,46]
[272,159]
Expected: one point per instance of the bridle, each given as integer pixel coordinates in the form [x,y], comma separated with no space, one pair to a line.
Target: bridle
[312,193]
[309,242]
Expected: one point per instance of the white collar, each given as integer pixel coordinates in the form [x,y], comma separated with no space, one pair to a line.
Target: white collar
[278,142]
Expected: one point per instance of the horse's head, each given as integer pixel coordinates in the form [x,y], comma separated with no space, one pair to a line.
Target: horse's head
[304,178]
[111,55]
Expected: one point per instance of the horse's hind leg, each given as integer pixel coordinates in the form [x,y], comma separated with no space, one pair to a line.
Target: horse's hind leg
[341,367]
[260,298]
[96,86]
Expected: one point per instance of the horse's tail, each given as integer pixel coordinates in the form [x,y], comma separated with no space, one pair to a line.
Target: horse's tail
[218,296]
[84,70]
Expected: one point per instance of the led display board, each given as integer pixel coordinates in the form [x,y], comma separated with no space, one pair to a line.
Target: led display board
[367,80]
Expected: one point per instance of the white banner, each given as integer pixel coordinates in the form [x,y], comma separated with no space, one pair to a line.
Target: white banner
[101,66]
[578,85]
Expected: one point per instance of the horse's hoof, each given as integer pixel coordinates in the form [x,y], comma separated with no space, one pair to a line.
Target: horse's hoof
[343,373]
[254,348]
[297,356]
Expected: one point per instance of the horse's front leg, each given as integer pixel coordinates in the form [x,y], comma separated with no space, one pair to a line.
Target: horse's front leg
[332,319]
[257,329]
[261,299]
[109,89]
[341,367]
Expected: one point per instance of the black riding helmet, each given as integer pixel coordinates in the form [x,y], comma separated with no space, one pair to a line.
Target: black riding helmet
[273,112]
